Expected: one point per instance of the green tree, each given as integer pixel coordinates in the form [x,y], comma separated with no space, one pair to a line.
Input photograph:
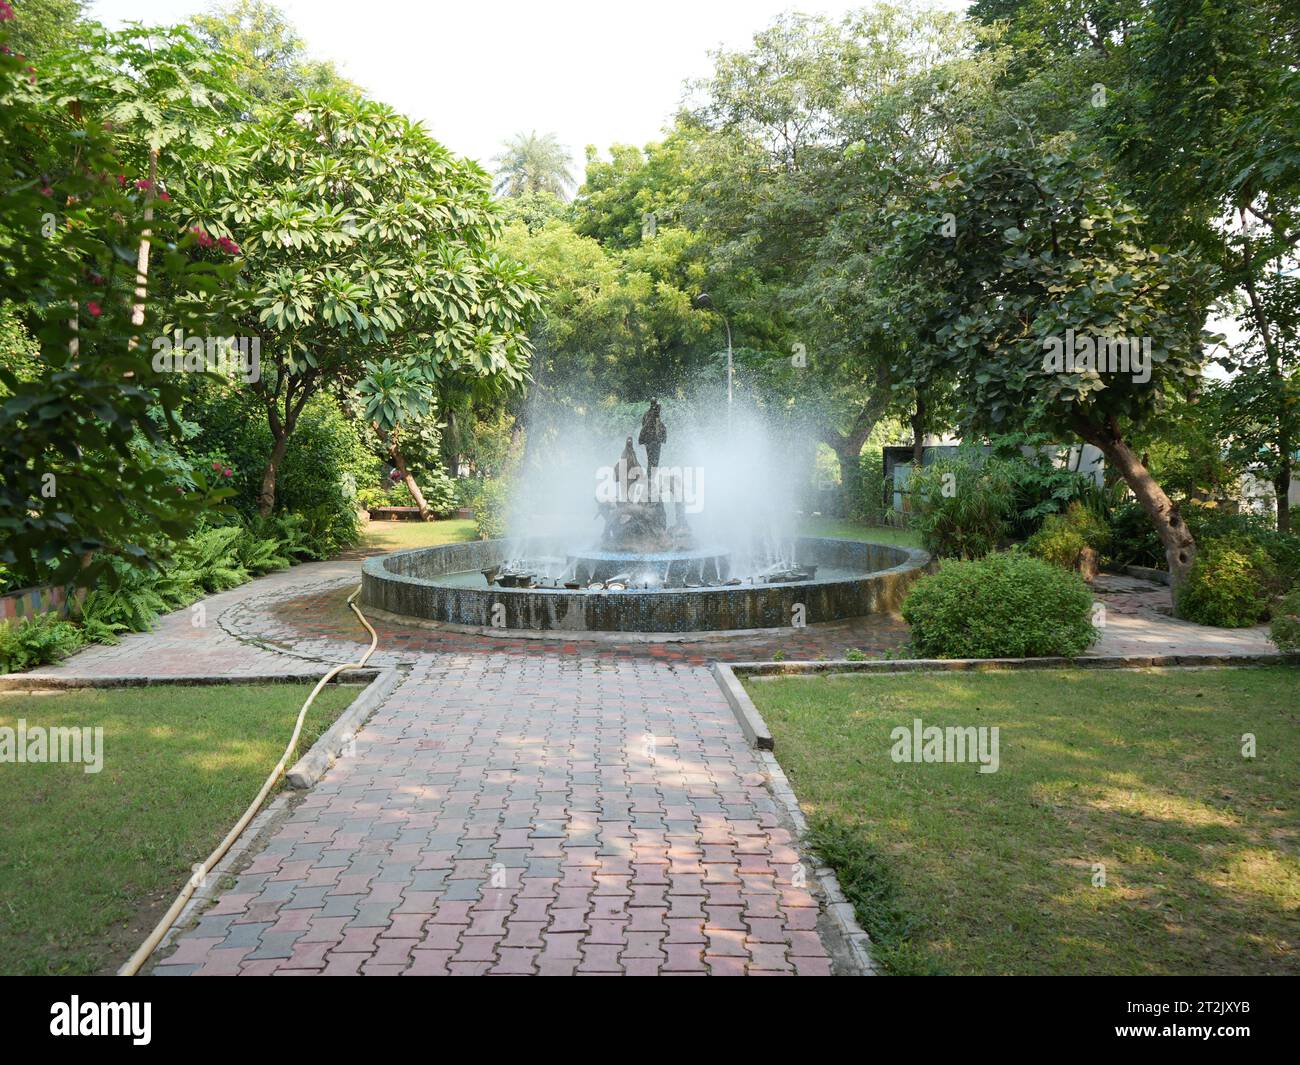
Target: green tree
[817,137]
[628,198]
[41,26]
[1198,104]
[1045,252]
[267,58]
[362,239]
[80,141]
[532,164]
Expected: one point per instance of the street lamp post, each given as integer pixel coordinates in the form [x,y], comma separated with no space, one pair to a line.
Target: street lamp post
[705,302]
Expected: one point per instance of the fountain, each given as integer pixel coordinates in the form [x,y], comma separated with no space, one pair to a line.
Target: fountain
[647,571]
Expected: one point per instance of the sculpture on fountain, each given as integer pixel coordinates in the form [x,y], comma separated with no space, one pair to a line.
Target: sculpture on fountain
[654,434]
[637,520]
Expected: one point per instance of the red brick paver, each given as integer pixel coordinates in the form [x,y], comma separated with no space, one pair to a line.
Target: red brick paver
[510,815]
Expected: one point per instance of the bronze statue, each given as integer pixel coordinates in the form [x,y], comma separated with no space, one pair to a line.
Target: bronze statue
[653,436]
[629,474]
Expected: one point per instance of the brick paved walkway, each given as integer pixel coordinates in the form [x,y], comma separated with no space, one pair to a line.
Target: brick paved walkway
[1139,622]
[179,646]
[512,815]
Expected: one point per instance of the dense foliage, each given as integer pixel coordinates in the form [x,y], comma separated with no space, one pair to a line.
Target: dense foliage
[1005,605]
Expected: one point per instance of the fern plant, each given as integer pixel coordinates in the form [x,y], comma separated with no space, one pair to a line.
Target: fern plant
[132,606]
[258,554]
[33,641]
[208,562]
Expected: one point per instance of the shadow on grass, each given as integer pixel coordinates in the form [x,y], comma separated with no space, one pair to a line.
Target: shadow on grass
[1124,832]
[88,857]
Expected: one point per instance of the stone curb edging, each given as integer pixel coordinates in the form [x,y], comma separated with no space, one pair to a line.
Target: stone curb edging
[321,755]
[838,908]
[983,665]
[1148,573]
[751,722]
[48,682]
[312,765]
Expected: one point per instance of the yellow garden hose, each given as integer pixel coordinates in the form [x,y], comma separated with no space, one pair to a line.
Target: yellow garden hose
[169,918]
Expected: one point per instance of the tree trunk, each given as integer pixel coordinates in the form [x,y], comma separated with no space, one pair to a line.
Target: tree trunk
[1180,547]
[1282,488]
[1277,386]
[848,450]
[918,432]
[399,460]
[266,498]
[142,256]
[849,456]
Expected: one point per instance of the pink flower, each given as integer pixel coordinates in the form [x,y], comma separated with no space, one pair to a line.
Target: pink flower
[6,12]
[228,246]
[163,196]
[144,184]
[121,180]
[47,191]
[202,237]
[216,465]
[93,308]
[227,472]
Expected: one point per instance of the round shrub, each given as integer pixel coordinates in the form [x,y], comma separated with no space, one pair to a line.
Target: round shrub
[1285,629]
[1228,584]
[1005,605]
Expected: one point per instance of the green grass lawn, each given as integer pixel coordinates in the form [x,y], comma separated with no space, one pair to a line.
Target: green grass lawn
[90,861]
[958,871]
[847,529]
[387,536]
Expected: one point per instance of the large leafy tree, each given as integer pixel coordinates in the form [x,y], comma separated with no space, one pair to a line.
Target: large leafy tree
[817,136]
[41,26]
[265,55]
[1219,81]
[81,136]
[362,239]
[627,198]
[529,163]
[1197,102]
[1045,252]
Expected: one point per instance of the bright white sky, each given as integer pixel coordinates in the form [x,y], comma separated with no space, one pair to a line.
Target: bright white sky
[591,71]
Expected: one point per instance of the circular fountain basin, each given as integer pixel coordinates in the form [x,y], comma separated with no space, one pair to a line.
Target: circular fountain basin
[437,584]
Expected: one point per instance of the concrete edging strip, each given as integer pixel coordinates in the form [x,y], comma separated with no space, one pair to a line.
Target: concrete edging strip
[55,682]
[751,721]
[312,765]
[942,665]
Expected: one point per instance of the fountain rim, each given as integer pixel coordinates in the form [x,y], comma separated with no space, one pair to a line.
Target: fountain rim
[377,568]
[716,608]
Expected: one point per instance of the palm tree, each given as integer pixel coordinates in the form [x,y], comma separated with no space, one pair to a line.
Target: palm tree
[530,163]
